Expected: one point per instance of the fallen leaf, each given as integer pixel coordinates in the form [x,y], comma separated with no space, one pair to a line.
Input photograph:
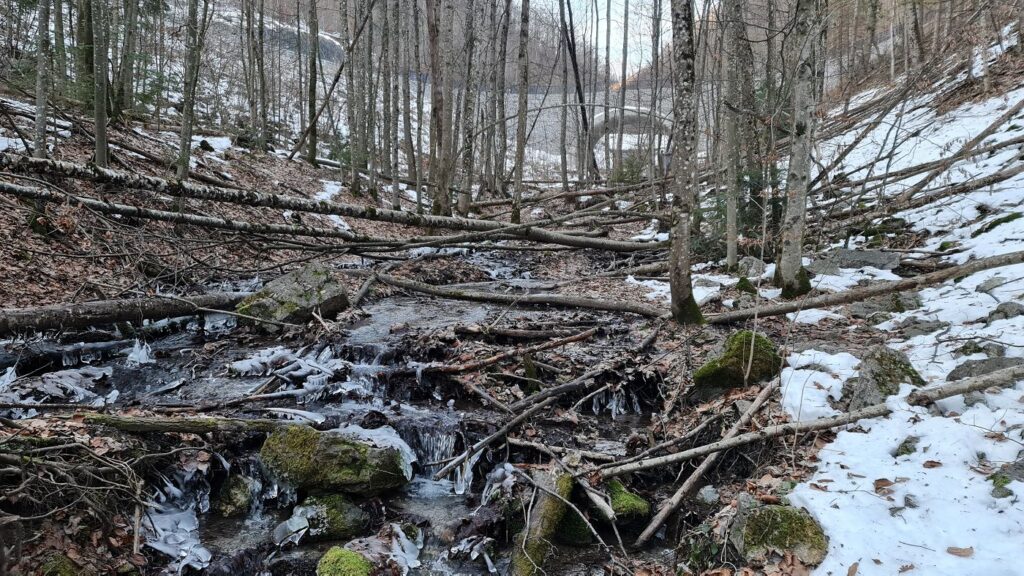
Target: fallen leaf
[852,570]
[906,568]
[961,552]
[882,486]
[932,464]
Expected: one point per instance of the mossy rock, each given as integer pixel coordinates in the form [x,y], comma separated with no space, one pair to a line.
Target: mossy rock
[292,298]
[627,505]
[907,447]
[235,497]
[61,565]
[727,370]
[745,285]
[778,529]
[332,517]
[533,544]
[572,530]
[341,562]
[880,374]
[332,462]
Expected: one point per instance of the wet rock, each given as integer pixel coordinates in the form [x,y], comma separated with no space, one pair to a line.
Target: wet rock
[881,372]
[1007,474]
[341,562]
[767,530]
[750,267]
[533,544]
[332,517]
[331,461]
[294,297]
[727,371]
[1005,311]
[972,368]
[880,308]
[831,262]
[235,496]
[915,326]
[990,349]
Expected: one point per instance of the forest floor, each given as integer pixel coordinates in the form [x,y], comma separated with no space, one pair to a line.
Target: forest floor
[922,491]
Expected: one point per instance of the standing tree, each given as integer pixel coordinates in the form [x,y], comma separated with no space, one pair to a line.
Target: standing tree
[808,38]
[524,84]
[684,107]
[314,57]
[42,77]
[195,32]
[99,104]
[438,121]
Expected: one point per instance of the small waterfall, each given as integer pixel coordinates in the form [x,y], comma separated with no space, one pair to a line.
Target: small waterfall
[433,439]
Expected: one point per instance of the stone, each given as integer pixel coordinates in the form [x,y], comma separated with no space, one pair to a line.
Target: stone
[972,368]
[907,447]
[1005,311]
[750,267]
[776,529]
[991,284]
[880,308]
[235,496]
[294,297]
[341,562]
[915,326]
[990,349]
[881,372]
[1007,474]
[727,370]
[831,262]
[746,286]
[333,462]
[332,517]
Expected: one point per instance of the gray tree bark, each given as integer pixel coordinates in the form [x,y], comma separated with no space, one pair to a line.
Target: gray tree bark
[99,26]
[42,77]
[523,59]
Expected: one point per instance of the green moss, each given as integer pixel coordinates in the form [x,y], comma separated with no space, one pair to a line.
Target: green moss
[533,544]
[59,565]
[998,221]
[781,528]
[728,370]
[907,447]
[1000,480]
[894,371]
[687,311]
[334,517]
[573,530]
[331,462]
[745,285]
[801,287]
[948,245]
[235,497]
[627,505]
[341,562]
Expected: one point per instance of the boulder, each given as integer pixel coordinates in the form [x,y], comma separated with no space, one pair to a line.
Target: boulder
[627,505]
[991,284]
[1006,475]
[880,308]
[972,368]
[766,530]
[295,296]
[727,370]
[235,496]
[831,262]
[750,267]
[332,517]
[881,372]
[915,326]
[990,349]
[1005,311]
[334,462]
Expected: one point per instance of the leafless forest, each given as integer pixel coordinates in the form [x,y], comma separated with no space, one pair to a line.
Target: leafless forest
[447,287]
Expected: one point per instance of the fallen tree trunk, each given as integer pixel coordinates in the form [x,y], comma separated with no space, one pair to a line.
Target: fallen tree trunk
[527,299]
[1004,377]
[85,314]
[185,425]
[254,198]
[859,294]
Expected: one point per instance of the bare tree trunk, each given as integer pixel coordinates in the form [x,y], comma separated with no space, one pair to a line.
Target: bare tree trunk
[124,93]
[569,31]
[734,20]
[264,129]
[84,50]
[60,53]
[438,162]
[524,88]
[419,105]
[468,100]
[684,106]
[564,112]
[195,29]
[502,152]
[314,55]
[394,25]
[42,77]
[99,26]
[410,151]
[808,36]
[617,163]
[607,78]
